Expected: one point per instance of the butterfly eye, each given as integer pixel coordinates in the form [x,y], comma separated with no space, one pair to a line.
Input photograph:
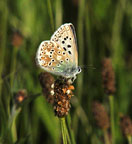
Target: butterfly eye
[79,70]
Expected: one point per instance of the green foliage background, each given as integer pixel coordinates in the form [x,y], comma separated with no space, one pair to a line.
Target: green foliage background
[104,29]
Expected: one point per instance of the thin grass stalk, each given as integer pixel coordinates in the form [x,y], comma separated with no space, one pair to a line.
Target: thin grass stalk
[80,27]
[3,35]
[106,137]
[13,65]
[71,133]
[81,56]
[117,47]
[129,139]
[13,69]
[88,35]
[50,14]
[116,31]
[67,133]
[12,122]
[59,13]
[111,102]
[62,121]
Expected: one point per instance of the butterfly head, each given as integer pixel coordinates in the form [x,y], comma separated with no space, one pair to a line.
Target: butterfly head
[71,72]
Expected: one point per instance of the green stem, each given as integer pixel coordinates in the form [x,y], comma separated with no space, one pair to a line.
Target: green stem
[129,138]
[12,122]
[58,13]
[62,121]
[106,137]
[70,130]
[67,133]
[50,14]
[13,65]
[3,34]
[111,102]
[80,26]
[13,69]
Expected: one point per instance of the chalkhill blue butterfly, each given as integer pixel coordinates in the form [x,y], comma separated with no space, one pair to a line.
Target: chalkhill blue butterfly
[59,55]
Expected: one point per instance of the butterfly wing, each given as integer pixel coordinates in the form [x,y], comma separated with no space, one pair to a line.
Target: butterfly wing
[59,55]
[50,58]
[65,37]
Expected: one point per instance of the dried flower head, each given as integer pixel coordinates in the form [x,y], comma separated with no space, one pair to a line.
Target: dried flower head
[126,125]
[108,76]
[47,82]
[100,115]
[17,39]
[20,96]
[62,96]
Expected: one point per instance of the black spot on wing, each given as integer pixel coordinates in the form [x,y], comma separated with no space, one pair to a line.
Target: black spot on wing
[69,52]
[63,42]
[64,48]
[69,46]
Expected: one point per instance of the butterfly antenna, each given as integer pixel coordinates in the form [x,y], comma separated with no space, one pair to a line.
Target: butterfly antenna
[88,66]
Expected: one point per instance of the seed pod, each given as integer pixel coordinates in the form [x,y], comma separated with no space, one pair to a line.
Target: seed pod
[108,76]
[100,115]
[62,96]
[47,82]
[20,96]
[126,125]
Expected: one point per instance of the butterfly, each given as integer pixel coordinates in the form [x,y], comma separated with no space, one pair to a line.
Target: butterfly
[59,55]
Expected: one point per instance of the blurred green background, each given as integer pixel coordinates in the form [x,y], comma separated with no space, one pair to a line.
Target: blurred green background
[103,28]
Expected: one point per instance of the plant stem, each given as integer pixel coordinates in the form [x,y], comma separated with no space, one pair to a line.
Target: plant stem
[13,69]
[12,122]
[106,138]
[70,130]
[80,27]
[111,102]
[67,133]
[50,14]
[62,121]
[129,138]
[3,35]
[58,13]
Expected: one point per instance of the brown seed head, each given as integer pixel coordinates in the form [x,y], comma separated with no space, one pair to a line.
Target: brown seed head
[126,125]
[20,96]
[46,81]
[108,76]
[17,39]
[100,115]
[62,96]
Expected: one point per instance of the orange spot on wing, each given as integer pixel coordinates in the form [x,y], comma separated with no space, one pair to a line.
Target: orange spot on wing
[42,58]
